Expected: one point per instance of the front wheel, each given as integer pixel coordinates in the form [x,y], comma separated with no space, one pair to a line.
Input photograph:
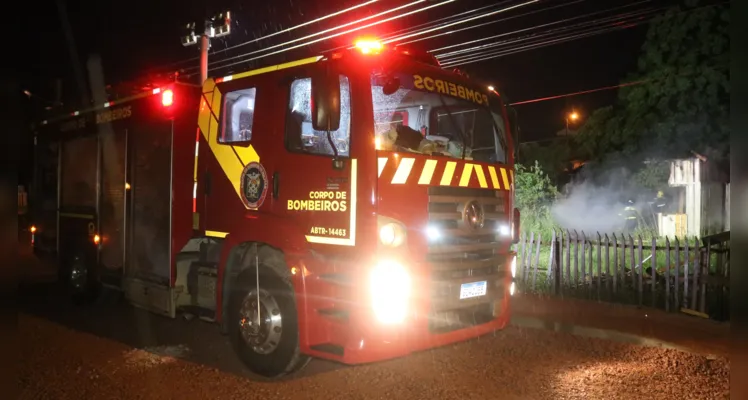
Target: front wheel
[263,325]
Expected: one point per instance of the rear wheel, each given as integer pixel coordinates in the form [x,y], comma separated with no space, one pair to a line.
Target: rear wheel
[82,282]
[263,324]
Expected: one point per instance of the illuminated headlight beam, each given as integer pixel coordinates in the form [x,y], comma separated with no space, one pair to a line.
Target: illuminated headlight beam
[390,285]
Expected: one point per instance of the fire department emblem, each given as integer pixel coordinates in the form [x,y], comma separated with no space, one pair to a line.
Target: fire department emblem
[254,185]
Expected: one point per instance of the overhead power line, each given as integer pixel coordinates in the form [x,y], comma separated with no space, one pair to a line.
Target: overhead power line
[461,21]
[265,37]
[532,28]
[246,56]
[444,20]
[521,49]
[551,32]
[484,55]
[489,23]
[518,103]
[334,35]
[718,66]
[562,40]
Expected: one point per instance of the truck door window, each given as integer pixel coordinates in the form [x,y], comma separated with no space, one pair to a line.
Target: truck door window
[239,110]
[301,137]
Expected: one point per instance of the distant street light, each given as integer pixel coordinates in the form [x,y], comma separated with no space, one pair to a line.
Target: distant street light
[491,88]
[573,116]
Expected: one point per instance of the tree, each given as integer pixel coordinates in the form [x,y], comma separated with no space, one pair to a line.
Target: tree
[683,103]
[534,194]
[553,156]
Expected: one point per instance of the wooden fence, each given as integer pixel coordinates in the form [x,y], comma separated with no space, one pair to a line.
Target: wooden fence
[687,275]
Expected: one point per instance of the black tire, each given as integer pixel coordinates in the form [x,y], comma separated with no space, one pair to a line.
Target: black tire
[286,357]
[83,289]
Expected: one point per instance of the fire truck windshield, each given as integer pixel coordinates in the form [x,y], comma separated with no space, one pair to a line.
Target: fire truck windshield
[428,122]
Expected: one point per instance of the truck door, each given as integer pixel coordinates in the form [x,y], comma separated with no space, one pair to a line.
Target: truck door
[78,190]
[148,201]
[316,192]
[44,195]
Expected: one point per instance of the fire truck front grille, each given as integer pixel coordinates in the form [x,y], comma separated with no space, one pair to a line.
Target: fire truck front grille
[463,254]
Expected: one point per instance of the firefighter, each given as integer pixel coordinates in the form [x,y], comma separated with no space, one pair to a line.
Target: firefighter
[630,216]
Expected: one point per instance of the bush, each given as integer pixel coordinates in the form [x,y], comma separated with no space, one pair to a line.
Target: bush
[534,194]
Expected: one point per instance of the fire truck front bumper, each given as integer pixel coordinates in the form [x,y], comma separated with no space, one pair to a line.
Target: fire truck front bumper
[401,315]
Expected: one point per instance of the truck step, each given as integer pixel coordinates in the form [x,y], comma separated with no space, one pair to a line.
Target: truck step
[202,313]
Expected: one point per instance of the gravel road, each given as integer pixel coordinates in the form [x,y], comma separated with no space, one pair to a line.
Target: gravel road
[64,363]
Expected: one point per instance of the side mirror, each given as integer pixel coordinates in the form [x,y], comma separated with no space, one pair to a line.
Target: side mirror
[326,101]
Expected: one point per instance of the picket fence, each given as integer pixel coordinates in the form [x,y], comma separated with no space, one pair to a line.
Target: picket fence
[685,275]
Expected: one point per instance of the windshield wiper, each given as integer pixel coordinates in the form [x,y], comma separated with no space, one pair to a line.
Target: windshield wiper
[452,121]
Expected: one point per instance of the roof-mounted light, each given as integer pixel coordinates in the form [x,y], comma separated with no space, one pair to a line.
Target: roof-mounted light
[366,46]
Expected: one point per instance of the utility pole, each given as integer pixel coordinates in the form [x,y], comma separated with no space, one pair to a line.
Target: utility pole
[214,27]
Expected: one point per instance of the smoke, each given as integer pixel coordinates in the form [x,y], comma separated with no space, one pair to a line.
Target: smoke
[596,203]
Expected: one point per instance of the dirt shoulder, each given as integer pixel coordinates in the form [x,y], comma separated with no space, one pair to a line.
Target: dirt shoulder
[692,333]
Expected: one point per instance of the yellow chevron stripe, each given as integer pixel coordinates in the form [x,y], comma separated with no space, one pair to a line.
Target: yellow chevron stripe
[203,117]
[217,234]
[448,174]
[427,173]
[216,103]
[232,159]
[246,154]
[494,178]
[264,70]
[209,85]
[504,178]
[481,176]
[381,162]
[403,171]
[467,171]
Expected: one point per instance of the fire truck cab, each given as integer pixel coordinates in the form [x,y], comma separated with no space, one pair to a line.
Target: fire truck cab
[354,206]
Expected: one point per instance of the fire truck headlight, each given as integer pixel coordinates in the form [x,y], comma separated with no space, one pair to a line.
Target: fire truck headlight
[390,292]
[505,230]
[433,233]
[392,233]
[513,266]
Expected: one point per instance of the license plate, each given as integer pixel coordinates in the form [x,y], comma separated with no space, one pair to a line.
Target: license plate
[473,289]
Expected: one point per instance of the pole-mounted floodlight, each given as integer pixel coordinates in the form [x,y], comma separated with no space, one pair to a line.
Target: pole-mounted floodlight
[219,25]
[190,38]
[216,26]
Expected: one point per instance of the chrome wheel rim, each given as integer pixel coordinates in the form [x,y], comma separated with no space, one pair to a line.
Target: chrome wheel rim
[262,336]
[78,274]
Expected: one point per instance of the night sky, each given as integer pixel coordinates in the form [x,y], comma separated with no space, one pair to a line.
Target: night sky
[138,37]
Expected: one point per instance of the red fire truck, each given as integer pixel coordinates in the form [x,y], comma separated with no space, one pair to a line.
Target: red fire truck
[354,206]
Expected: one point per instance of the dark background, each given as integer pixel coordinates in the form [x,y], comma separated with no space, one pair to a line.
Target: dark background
[138,39]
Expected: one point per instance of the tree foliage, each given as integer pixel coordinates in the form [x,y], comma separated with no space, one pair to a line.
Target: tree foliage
[682,104]
[534,194]
[553,158]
